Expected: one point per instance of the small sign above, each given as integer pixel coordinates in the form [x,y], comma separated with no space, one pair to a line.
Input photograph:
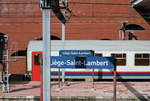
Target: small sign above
[76,53]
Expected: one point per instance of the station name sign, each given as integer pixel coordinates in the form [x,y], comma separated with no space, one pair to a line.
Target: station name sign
[76,53]
[82,62]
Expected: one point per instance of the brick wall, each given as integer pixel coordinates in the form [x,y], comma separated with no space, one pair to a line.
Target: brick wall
[90,20]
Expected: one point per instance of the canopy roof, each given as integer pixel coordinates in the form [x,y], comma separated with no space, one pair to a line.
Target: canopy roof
[142,6]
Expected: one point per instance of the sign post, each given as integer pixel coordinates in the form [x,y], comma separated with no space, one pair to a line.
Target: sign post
[46,55]
[47,6]
[46,70]
[46,89]
[63,44]
[115,83]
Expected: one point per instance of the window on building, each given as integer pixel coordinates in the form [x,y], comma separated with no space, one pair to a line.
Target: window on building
[19,54]
[142,59]
[98,54]
[120,58]
[38,59]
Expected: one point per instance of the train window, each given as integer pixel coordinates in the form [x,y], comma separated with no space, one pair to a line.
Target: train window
[142,59]
[120,58]
[38,59]
[98,54]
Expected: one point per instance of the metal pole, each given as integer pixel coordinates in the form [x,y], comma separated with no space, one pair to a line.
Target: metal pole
[6,86]
[115,84]
[123,35]
[123,30]
[59,77]
[7,72]
[93,79]
[46,55]
[63,33]
[63,44]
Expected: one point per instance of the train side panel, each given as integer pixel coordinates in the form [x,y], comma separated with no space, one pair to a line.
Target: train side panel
[125,52]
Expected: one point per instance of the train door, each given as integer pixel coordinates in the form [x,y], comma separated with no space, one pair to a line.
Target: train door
[36,66]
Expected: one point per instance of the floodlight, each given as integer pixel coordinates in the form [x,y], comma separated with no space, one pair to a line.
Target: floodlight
[45,4]
[56,6]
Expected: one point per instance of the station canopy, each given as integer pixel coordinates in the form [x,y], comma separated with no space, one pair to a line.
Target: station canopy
[142,6]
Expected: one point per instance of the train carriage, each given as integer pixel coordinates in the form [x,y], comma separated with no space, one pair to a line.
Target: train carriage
[133,58]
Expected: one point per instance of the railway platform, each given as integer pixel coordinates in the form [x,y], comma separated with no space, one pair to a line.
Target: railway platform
[80,91]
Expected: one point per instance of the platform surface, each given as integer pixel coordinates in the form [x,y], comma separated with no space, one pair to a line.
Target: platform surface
[125,90]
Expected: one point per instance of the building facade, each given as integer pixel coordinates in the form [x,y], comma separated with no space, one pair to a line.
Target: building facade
[21,20]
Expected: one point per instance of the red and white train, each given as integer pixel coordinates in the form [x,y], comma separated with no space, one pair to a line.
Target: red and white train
[133,58]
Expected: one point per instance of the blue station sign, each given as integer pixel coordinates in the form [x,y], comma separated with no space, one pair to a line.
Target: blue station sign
[82,62]
[76,53]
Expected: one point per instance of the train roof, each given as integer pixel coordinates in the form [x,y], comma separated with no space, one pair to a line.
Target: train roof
[96,45]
